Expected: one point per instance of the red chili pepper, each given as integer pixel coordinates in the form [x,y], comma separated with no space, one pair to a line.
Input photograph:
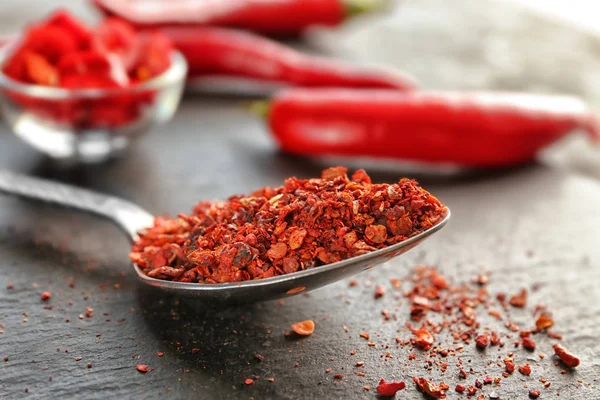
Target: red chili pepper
[281,17]
[76,29]
[227,52]
[468,129]
[39,70]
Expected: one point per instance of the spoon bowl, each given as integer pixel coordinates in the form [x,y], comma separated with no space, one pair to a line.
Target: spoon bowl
[131,219]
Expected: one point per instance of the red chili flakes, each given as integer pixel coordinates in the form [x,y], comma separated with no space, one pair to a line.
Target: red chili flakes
[143,368]
[249,381]
[259,357]
[365,335]
[459,388]
[471,390]
[482,341]
[544,322]
[160,353]
[430,388]
[338,376]
[496,314]
[487,380]
[389,388]
[525,369]
[424,339]
[305,223]
[528,343]
[379,291]
[534,394]
[519,300]
[304,328]
[566,357]
[353,283]
[439,281]
[195,350]
[509,365]
[46,296]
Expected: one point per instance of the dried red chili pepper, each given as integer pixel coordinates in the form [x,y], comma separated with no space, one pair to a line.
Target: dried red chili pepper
[281,18]
[430,388]
[389,388]
[566,357]
[468,129]
[223,52]
[262,235]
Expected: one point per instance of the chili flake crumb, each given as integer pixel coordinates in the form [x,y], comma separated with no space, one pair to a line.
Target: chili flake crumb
[478,384]
[270,233]
[544,322]
[534,394]
[553,335]
[89,365]
[566,357]
[78,358]
[327,370]
[304,328]
[482,341]
[195,350]
[424,339]
[379,291]
[271,379]
[160,353]
[259,357]
[367,387]
[338,376]
[143,368]
[389,388]
[528,343]
[487,380]
[353,283]
[471,390]
[519,300]
[459,388]
[249,381]
[46,296]
[5,358]
[525,369]
[365,335]
[509,365]
[10,286]
[360,363]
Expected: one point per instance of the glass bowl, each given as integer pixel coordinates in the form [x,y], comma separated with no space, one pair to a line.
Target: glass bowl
[89,125]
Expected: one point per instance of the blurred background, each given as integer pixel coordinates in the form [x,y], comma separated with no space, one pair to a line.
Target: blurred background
[518,45]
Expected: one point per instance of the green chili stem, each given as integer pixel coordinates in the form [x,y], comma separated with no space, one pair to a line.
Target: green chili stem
[260,108]
[357,7]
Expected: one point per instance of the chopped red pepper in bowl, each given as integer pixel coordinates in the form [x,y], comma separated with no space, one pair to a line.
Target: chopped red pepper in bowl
[74,84]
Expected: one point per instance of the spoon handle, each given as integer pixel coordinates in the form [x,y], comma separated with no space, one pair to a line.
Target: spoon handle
[128,216]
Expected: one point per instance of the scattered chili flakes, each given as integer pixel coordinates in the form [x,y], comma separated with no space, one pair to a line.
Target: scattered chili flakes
[367,387]
[379,291]
[519,300]
[525,369]
[160,353]
[46,296]
[249,381]
[259,357]
[459,388]
[509,365]
[195,350]
[365,335]
[304,328]
[353,283]
[471,390]
[271,379]
[431,389]
[338,376]
[143,368]
[553,335]
[389,388]
[566,357]
[272,232]
[534,394]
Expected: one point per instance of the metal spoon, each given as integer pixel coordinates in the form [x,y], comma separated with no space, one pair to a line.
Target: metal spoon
[131,218]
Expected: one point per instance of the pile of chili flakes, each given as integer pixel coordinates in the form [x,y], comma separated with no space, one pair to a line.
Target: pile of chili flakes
[303,224]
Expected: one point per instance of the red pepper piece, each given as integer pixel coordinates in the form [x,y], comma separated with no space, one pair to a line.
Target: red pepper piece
[14,67]
[52,42]
[468,129]
[154,55]
[90,69]
[119,37]
[282,18]
[226,52]
[76,29]
[389,388]
[39,70]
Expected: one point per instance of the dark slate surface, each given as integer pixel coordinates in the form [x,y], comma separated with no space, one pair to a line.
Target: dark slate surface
[213,149]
